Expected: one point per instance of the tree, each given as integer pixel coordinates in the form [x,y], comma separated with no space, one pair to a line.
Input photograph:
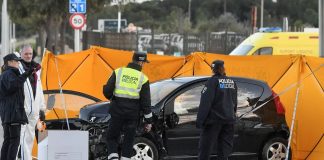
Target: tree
[48,18]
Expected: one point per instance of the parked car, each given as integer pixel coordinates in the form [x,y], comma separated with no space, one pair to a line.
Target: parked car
[159,45]
[260,133]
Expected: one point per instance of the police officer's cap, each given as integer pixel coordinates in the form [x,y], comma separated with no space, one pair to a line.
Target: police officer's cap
[11,57]
[140,57]
[217,64]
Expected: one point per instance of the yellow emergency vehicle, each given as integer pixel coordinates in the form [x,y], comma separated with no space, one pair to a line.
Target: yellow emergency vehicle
[274,42]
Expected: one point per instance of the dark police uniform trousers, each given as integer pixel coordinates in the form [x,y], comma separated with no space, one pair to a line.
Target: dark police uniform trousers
[116,126]
[11,134]
[222,134]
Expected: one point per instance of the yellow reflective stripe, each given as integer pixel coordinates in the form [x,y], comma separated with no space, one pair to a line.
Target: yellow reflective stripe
[127,89]
[126,96]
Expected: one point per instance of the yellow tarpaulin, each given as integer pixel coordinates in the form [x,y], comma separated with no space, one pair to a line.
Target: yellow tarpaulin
[87,71]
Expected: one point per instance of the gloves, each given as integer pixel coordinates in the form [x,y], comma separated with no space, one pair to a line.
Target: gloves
[148,127]
[41,115]
[28,72]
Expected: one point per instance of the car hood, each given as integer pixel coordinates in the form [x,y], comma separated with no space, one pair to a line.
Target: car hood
[93,112]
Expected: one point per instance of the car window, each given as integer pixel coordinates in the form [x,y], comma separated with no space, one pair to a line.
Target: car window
[263,51]
[186,104]
[161,89]
[247,96]
[242,50]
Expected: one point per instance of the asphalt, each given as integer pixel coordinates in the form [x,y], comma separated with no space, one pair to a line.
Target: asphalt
[1,140]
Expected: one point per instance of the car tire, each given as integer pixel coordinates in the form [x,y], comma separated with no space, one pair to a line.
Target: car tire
[144,149]
[275,148]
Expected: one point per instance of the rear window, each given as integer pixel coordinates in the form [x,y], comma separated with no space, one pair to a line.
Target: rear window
[241,50]
[247,96]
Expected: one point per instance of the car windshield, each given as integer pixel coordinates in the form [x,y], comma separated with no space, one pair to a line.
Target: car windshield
[241,50]
[161,89]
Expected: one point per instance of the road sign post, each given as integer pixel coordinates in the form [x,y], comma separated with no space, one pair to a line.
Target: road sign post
[76,40]
[77,21]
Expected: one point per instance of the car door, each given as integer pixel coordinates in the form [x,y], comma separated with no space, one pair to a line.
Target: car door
[246,139]
[182,136]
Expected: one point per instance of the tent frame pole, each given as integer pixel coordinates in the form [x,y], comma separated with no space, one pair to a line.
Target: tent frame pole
[61,93]
[292,122]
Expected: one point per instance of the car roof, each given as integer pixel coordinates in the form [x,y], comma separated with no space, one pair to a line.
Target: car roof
[203,78]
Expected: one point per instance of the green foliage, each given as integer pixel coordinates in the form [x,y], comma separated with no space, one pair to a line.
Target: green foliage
[32,16]
[206,15]
[49,16]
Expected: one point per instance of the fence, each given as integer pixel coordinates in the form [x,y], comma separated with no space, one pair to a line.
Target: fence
[165,43]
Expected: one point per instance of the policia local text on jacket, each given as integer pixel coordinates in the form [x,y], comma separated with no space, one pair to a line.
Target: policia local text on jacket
[129,92]
[217,114]
[12,110]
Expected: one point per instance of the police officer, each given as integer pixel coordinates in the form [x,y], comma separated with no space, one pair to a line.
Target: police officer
[217,114]
[12,110]
[128,89]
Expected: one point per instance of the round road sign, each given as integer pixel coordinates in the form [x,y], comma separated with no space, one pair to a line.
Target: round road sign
[77,21]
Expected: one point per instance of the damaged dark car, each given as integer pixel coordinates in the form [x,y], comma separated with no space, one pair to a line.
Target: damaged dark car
[260,132]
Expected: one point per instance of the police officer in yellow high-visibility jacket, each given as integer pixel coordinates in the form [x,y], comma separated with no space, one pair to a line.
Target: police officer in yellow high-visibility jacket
[128,89]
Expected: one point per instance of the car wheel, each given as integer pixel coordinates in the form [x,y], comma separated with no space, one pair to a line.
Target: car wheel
[275,149]
[144,149]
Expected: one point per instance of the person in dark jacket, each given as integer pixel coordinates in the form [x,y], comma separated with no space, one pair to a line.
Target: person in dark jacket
[12,110]
[128,90]
[217,114]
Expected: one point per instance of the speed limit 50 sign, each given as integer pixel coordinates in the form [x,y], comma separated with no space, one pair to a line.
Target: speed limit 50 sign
[77,21]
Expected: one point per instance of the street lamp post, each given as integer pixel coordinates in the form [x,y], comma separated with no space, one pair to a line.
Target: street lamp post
[119,16]
[4,32]
[189,10]
[261,19]
[225,6]
[262,8]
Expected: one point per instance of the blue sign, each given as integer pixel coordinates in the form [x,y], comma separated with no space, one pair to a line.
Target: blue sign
[78,6]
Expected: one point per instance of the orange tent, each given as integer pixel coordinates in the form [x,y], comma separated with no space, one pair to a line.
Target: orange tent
[87,71]
[284,74]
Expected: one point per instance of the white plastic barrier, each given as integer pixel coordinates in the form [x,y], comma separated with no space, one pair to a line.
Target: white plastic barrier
[63,145]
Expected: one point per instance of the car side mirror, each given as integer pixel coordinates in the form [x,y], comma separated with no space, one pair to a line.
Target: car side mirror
[50,102]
